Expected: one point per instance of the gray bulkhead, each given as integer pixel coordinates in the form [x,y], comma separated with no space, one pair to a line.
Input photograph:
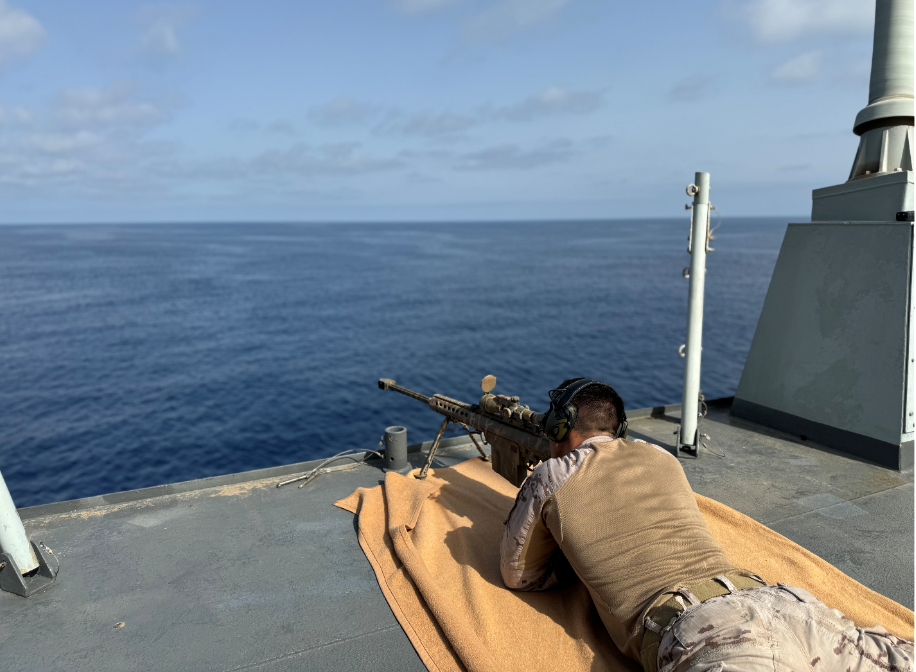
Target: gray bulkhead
[832,357]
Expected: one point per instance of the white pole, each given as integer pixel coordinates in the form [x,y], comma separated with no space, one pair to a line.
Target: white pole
[698,228]
[13,539]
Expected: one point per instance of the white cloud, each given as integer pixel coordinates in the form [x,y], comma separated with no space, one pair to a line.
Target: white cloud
[340,112]
[20,33]
[513,157]
[64,143]
[348,112]
[551,102]
[113,106]
[243,124]
[802,68]
[282,127]
[421,6]
[22,115]
[31,172]
[330,159]
[159,33]
[508,17]
[90,138]
[427,124]
[298,160]
[691,88]
[161,38]
[78,157]
[785,20]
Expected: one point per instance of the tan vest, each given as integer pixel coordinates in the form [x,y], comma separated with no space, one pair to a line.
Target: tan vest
[629,525]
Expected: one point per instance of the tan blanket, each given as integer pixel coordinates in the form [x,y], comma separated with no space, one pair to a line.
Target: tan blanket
[434,545]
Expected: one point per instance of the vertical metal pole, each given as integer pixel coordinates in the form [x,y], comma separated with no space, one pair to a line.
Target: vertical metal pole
[13,539]
[698,228]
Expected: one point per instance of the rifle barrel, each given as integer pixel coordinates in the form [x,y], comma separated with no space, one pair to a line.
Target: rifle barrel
[388,384]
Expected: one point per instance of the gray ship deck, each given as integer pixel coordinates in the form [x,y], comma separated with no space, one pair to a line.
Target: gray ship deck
[230,573]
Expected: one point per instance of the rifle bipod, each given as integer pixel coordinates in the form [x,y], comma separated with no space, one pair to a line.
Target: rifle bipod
[483,455]
[433,449]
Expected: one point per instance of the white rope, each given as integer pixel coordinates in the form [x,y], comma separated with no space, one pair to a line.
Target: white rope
[48,549]
[307,477]
[709,438]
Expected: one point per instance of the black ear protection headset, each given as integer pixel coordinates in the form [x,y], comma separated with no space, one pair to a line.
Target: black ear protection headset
[562,416]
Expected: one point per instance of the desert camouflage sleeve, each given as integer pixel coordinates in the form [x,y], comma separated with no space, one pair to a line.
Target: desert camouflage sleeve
[527,549]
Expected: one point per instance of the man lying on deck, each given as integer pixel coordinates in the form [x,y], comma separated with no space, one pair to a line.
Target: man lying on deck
[626,521]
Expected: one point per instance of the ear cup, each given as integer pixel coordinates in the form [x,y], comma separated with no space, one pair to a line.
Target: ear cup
[558,430]
[573,414]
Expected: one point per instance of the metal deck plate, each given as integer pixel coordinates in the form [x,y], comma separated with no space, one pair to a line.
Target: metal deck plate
[232,574]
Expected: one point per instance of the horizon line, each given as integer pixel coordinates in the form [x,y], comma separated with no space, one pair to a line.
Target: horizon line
[320,222]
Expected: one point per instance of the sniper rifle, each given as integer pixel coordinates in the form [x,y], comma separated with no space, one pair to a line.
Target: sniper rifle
[513,431]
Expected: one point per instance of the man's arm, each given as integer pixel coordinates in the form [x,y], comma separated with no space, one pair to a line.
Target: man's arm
[528,548]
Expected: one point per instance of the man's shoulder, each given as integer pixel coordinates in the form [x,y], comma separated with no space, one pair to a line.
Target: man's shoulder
[631,444]
[551,474]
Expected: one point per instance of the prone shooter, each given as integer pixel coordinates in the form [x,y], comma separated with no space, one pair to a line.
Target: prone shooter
[622,516]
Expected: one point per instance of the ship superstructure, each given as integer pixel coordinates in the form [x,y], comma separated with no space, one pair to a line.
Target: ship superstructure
[832,358]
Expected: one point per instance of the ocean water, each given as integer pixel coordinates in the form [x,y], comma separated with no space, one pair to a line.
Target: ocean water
[138,355]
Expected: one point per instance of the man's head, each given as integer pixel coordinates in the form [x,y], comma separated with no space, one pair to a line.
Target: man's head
[599,409]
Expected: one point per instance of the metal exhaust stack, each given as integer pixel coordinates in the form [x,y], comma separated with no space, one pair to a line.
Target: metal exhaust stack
[886,123]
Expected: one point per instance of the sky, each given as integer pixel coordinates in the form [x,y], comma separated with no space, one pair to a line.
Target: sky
[424,110]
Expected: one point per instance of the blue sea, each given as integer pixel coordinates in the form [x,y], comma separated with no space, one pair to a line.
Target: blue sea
[136,355]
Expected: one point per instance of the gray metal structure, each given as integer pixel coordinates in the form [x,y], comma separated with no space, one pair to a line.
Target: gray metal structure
[26,584]
[832,357]
[231,573]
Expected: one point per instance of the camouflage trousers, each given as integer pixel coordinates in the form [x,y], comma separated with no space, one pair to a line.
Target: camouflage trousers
[776,628]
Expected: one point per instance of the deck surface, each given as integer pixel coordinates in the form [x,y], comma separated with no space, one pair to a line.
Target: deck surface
[234,574]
